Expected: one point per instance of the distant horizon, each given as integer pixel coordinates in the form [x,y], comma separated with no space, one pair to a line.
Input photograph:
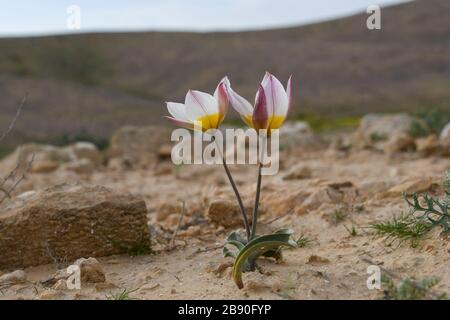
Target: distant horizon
[140,18]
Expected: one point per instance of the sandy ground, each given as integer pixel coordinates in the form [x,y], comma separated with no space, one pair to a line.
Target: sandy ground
[334,266]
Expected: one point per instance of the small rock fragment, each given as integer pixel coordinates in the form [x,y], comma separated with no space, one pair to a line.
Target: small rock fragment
[44,166]
[399,142]
[91,270]
[340,185]
[165,210]
[82,166]
[418,185]
[314,259]
[165,152]
[428,146]
[226,213]
[298,172]
[49,294]
[105,286]
[61,284]
[18,276]
[192,231]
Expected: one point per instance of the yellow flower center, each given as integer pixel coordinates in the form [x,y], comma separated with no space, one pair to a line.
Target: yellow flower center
[274,122]
[248,120]
[210,121]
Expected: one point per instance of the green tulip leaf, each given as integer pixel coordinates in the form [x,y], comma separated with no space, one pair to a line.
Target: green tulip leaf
[235,240]
[265,245]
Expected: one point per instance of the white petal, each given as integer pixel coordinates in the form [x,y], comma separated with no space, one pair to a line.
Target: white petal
[177,110]
[194,110]
[277,99]
[240,104]
[205,101]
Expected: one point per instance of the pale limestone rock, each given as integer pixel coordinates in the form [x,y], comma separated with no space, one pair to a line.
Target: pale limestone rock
[376,130]
[47,158]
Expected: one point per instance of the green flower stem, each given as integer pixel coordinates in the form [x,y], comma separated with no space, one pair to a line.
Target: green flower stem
[239,199]
[258,188]
[238,196]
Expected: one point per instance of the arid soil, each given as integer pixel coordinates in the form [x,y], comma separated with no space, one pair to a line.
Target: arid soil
[362,186]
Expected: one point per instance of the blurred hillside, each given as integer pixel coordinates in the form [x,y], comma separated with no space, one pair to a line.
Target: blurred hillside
[91,84]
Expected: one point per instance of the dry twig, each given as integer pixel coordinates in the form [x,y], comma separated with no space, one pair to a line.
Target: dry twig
[7,191]
[172,241]
[10,176]
[14,120]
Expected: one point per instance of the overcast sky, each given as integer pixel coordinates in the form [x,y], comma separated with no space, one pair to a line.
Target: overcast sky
[37,17]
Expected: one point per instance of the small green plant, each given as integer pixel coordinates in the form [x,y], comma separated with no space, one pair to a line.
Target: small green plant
[418,130]
[447,182]
[426,213]
[359,208]
[320,123]
[377,137]
[303,241]
[403,228]
[434,118]
[141,247]
[434,210]
[123,295]
[352,231]
[337,216]
[408,289]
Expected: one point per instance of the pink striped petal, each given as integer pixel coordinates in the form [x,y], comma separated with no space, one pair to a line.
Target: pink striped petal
[221,96]
[289,93]
[260,117]
[179,123]
[265,83]
[277,99]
